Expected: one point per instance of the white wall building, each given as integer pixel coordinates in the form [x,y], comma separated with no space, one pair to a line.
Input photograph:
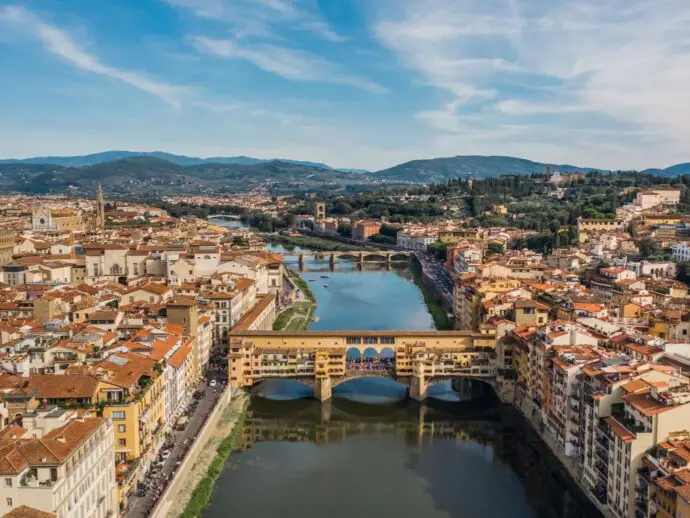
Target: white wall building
[59,464]
[681,252]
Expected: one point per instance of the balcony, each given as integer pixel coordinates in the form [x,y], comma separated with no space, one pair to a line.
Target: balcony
[602,468]
[644,476]
[30,480]
[604,432]
[600,493]
[602,454]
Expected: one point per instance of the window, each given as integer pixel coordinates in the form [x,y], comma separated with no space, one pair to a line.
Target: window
[351,340]
[387,340]
[122,442]
[123,456]
[8,482]
[9,502]
[115,416]
[121,428]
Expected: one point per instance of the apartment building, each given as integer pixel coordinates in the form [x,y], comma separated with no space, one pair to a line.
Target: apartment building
[649,412]
[59,463]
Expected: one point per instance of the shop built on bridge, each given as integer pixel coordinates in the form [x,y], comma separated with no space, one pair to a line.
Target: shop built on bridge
[325,359]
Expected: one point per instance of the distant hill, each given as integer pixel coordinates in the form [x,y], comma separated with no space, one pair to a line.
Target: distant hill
[109,156]
[470,166]
[159,173]
[674,170]
[150,176]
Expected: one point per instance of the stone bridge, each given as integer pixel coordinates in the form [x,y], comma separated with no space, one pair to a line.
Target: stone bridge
[323,360]
[357,256]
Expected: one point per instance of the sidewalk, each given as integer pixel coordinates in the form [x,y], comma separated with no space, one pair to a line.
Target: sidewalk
[140,507]
[177,497]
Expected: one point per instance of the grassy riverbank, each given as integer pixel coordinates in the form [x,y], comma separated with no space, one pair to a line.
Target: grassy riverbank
[433,305]
[201,496]
[297,316]
[294,318]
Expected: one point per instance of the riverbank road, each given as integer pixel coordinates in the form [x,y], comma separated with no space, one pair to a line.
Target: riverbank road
[162,470]
[438,274]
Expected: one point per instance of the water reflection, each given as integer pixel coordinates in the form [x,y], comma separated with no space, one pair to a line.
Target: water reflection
[371,390]
[438,460]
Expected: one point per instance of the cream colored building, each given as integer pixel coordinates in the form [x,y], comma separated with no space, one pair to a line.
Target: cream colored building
[586,228]
[58,463]
[658,196]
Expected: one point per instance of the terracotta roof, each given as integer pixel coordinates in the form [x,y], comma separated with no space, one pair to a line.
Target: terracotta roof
[24,511]
[54,448]
[64,386]
[125,369]
[177,359]
[647,405]
[525,303]
[618,429]
[158,289]
[103,315]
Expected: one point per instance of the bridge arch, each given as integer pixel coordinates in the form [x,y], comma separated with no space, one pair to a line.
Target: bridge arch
[370,353]
[365,375]
[348,257]
[387,352]
[457,384]
[353,353]
[284,388]
[375,258]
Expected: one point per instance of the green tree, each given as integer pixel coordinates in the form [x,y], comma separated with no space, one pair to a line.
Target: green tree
[648,247]
[345,229]
[495,248]
[683,272]
[438,250]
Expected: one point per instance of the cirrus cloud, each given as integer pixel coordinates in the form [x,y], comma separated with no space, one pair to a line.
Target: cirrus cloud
[60,42]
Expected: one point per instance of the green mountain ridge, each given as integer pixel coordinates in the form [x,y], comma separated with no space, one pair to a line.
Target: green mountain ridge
[110,156]
[150,175]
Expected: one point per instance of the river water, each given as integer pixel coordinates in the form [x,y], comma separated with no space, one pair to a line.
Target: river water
[370,452]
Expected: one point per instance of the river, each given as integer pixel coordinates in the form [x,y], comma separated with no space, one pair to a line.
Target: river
[370,452]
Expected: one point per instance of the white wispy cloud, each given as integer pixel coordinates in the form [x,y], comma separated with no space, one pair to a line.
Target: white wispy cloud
[292,64]
[619,63]
[61,43]
[262,17]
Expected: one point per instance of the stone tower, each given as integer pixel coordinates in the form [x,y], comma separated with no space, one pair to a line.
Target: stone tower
[320,210]
[184,312]
[100,210]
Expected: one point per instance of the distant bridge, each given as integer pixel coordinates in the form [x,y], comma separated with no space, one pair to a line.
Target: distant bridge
[223,216]
[357,256]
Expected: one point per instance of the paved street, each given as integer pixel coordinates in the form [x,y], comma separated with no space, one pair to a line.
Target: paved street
[140,507]
[438,273]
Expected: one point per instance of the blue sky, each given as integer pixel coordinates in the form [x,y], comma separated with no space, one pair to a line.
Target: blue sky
[353,83]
